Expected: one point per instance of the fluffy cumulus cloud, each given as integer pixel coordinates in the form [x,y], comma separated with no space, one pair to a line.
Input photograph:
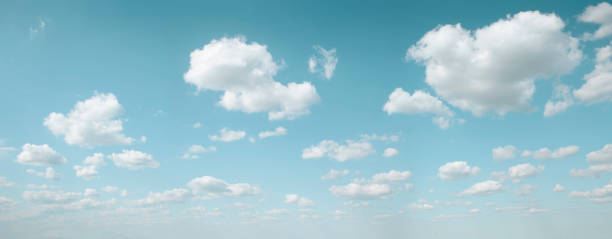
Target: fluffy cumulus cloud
[228,135]
[546,153]
[245,73]
[518,173]
[334,150]
[561,100]
[457,170]
[195,150]
[598,85]
[502,153]
[49,173]
[300,201]
[483,188]
[39,155]
[333,174]
[419,102]
[600,162]
[277,132]
[91,122]
[133,160]
[176,195]
[323,62]
[390,152]
[212,187]
[494,68]
[600,14]
[357,191]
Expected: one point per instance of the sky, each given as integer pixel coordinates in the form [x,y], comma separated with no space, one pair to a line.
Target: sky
[305,119]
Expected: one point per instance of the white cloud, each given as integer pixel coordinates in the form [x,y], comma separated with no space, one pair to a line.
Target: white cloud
[384,137]
[599,14]
[504,153]
[422,206]
[600,160]
[86,172]
[483,188]
[545,153]
[558,188]
[598,85]
[324,62]
[457,170]
[390,152]
[356,191]
[245,73]
[195,150]
[176,195]
[392,176]
[518,172]
[277,132]
[5,182]
[596,195]
[133,160]
[338,152]
[91,122]
[494,68]
[300,201]
[39,155]
[563,100]
[49,173]
[214,187]
[228,135]
[526,189]
[50,197]
[333,174]
[419,102]
[197,125]
[96,159]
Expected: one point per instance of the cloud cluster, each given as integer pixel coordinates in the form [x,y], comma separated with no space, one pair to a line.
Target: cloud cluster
[494,68]
[546,153]
[91,122]
[245,73]
[599,14]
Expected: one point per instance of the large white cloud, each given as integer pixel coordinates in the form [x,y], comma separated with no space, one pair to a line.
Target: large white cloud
[483,188]
[599,14]
[213,187]
[356,191]
[600,160]
[419,102]
[323,62]
[598,85]
[494,68]
[39,155]
[91,122]
[133,160]
[457,170]
[245,73]
[334,150]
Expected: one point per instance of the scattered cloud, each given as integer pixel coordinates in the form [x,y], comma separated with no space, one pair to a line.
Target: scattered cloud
[545,153]
[518,173]
[600,162]
[324,62]
[332,149]
[49,173]
[356,191]
[600,14]
[177,195]
[195,150]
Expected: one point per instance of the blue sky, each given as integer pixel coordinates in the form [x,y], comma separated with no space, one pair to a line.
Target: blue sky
[276,119]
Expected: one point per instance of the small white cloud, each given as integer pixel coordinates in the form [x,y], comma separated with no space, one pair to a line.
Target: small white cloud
[49,173]
[300,201]
[457,170]
[133,160]
[228,135]
[483,188]
[390,152]
[518,172]
[86,172]
[333,174]
[324,62]
[504,153]
[39,155]
[545,153]
[419,102]
[338,152]
[392,176]
[213,187]
[91,122]
[277,132]
[558,188]
[355,191]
